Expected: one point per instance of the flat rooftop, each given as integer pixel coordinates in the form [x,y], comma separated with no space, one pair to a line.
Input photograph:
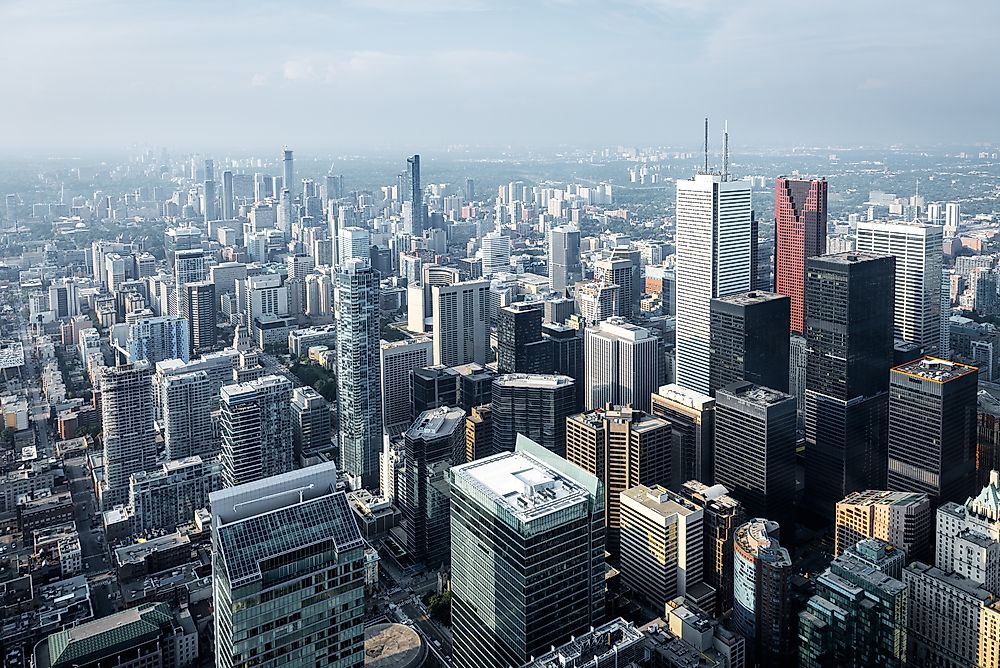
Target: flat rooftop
[850,257]
[935,370]
[752,297]
[436,422]
[754,394]
[660,500]
[533,380]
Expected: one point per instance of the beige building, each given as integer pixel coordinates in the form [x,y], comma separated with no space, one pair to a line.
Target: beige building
[901,518]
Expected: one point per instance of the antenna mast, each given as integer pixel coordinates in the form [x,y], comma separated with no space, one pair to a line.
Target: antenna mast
[725,152]
[706,146]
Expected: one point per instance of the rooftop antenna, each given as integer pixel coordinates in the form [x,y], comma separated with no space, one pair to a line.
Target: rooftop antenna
[725,152]
[706,146]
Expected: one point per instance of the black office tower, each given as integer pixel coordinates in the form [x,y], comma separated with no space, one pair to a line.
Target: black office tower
[534,405]
[932,429]
[567,354]
[415,195]
[755,448]
[848,321]
[520,346]
[432,387]
[201,315]
[749,340]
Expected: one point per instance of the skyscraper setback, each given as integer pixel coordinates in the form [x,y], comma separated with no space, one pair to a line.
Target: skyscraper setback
[800,233]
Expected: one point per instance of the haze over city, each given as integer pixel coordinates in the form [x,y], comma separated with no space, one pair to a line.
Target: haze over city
[364,75]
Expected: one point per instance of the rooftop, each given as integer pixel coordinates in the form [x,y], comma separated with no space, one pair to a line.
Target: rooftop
[533,380]
[138,552]
[392,646]
[106,637]
[660,500]
[880,497]
[754,394]
[686,397]
[436,422]
[935,370]
[850,257]
[752,297]
[588,649]
[960,582]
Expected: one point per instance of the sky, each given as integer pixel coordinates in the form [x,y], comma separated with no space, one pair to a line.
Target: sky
[403,75]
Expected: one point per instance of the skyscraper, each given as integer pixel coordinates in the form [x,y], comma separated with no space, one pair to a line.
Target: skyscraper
[201,317]
[849,302]
[618,271]
[228,196]
[210,211]
[354,243]
[187,419]
[288,544]
[415,196]
[755,448]
[459,313]
[433,444]
[256,430]
[722,516]
[623,448]
[749,340]
[620,363]
[967,536]
[932,429]
[661,546]
[800,233]
[127,417]
[287,169]
[520,346]
[713,259]
[505,510]
[692,424]
[479,433]
[157,338]
[564,257]
[534,405]
[917,249]
[496,253]
[762,609]
[952,218]
[311,423]
[356,304]
[398,359]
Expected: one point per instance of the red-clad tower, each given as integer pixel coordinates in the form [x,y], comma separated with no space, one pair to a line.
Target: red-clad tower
[799,232]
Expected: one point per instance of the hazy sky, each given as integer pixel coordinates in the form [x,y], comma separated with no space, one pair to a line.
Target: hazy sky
[421,74]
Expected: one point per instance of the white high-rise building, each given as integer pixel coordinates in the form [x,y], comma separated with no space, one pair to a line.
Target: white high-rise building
[264,294]
[127,418]
[713,259]
[496,253]
[256,427]
[917,249]
[354,242]
[620,360]
[564,257]
[356,307]
[158,338]
[187,417]
[398,359]
[459,313]
[952,215]
[935,213]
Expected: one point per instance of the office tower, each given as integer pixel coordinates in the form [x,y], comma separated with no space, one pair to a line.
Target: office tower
[988,441]
[534,405]
[623,448]
[520,345]
[288,169]
[209,210]
[359,409]
[968,536]
[479,433]
[288,545]
[917,249]
[932,429]
[902,519]
[722,515]
[169,495]
[944,613]
[432,387]
[692,424]
[496,253]
[354,244]
[661,546]
[858,615]
[952,216]
[566,348]
[762,601]
[755,448]
[228,196]
[621,364]
[186,418]
[618,271]
[256,430]
[127,421]
[262,295]
[564,257]
[505,510]
[397,360]
[311,423]
[799,233]
[158,338]
[849,301]
[414,195]
[189,267]
[935,213]
[797,363]
[470,190]
[749,340]
[201,317]
[64,300]
[598,302]
[150,634]
[459,313]
[713,259]
[433,444]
